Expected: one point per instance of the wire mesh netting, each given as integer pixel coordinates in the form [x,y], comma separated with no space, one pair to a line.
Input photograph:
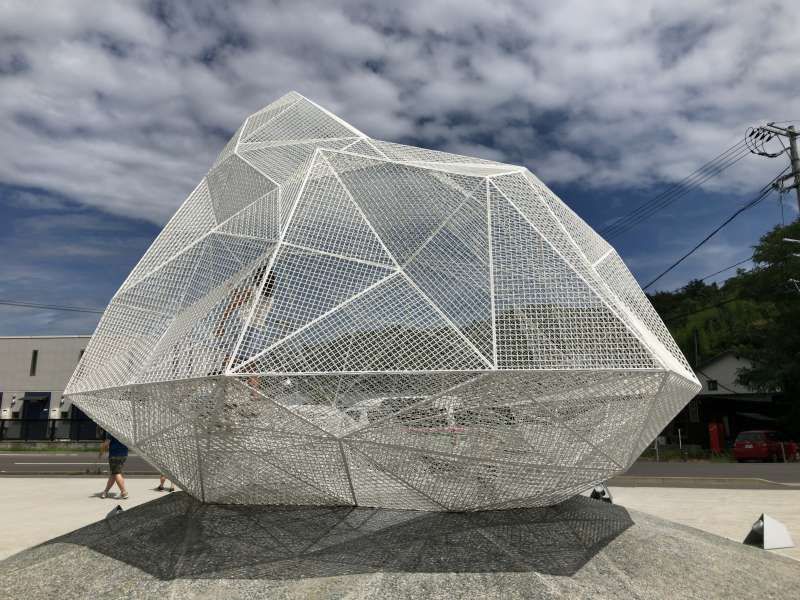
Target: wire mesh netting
[331,319]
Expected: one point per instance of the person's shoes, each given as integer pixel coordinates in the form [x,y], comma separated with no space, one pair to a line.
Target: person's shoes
[124,495]
[160,488]
[172,489]
[104,494]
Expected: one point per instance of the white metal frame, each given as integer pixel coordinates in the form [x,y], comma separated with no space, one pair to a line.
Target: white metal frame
[333,319]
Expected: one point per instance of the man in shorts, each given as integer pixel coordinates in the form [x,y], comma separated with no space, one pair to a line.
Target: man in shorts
[117,455]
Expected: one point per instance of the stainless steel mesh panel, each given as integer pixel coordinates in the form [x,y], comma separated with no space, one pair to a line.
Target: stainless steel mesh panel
[194,219]
[332,319]
[622,283]
[265,115]
[233,185]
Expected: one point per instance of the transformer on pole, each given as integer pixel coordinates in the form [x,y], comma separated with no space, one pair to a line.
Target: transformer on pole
[757,138]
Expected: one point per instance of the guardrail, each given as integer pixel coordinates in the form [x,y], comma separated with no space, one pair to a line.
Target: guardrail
[32,430]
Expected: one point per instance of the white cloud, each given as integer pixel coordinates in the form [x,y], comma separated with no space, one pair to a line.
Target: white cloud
[120,107]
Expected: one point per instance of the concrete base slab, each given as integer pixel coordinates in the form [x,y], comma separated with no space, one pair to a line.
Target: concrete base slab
[727,513]
[581,548]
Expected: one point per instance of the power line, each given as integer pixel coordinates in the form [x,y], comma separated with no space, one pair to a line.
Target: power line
[51,307]
[763,193]
[714,167]
[671,318]
[671,195]
[741,262]
[750,204]
[680,184]
[671,199]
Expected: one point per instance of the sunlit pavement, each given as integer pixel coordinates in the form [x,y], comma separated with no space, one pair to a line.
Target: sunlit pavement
[725,512]
[39,509]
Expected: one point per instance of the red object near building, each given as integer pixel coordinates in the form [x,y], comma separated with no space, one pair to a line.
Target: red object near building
[715,433]
[763,444]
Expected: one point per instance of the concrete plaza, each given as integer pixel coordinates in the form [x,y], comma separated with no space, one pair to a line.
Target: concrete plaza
[46,507]
[724,512]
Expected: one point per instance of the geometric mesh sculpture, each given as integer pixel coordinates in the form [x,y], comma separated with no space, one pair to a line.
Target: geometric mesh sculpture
[334,319]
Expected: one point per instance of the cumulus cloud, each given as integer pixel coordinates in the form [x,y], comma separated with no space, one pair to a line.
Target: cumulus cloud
[124,106]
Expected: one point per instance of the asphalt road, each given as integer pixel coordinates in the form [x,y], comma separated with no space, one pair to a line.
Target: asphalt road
[641,473]
[49,463]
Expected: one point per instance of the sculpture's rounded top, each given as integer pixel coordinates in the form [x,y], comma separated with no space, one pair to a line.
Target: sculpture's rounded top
[312,248]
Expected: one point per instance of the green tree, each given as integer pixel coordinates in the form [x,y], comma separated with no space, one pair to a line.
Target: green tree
[773,343]
[755,313]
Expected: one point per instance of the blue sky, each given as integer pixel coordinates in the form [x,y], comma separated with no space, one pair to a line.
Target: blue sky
[112,112]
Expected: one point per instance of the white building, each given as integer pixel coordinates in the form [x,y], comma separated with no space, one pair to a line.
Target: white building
[718,377]
[34,371]
[722,400]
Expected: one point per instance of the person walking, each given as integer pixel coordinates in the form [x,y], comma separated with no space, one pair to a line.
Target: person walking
[117,455]
[162,479]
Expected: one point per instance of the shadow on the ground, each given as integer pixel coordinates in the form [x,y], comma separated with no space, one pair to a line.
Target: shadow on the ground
[179,537]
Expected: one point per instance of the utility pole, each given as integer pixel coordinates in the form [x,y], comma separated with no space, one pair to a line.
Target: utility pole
[793,281]
[756,139]
[795,158]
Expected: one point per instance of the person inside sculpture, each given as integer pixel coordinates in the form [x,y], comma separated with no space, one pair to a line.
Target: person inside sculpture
[161,480]
[117,455]
[239,298]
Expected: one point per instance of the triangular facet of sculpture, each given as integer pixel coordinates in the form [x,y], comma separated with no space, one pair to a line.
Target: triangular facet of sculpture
[333,319]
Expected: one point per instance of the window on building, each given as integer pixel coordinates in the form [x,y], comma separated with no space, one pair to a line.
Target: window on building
[34,360]
[712,385]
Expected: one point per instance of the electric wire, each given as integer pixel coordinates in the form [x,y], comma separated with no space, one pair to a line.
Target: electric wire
[741,262]
[50,306]
[697,246]
[673,197]
[763,193]
[711,168]
[670,199]
[671,318]
[714,167]
[687,182]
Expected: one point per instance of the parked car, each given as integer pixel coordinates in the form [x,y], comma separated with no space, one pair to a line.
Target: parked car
[764,444]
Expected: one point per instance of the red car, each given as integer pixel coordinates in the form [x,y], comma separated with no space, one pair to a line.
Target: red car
[763,444]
